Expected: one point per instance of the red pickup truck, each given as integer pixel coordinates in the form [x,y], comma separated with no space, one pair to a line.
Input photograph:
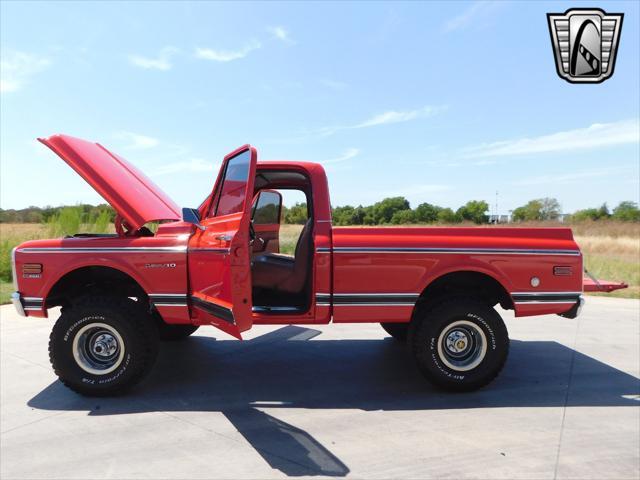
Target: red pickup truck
[220,265]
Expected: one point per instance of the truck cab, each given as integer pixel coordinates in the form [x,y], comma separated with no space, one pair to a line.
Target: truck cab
[238,275]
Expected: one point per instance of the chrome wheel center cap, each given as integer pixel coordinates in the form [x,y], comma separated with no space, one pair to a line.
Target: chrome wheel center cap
[457,341]
[105,345]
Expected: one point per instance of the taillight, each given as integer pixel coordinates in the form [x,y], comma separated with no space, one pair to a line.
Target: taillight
[562,271]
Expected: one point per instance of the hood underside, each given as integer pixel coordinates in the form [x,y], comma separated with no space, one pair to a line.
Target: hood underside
[133,196]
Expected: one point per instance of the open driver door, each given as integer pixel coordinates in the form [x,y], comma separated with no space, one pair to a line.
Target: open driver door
[219,255]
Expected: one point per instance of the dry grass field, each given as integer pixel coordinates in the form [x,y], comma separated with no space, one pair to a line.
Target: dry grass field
[611,250]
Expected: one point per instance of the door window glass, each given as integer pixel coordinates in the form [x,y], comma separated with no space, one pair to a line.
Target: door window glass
[234,185]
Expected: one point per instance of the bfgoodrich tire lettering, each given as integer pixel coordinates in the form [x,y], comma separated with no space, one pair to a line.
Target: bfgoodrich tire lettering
[103,334]
[460,344]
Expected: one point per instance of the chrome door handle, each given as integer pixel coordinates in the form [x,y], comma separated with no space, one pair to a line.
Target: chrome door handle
[225,237]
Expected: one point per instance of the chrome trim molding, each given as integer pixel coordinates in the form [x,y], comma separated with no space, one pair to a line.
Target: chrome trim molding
[546,293]
[211,250]
[543,302]
[368,299]
[461,251]
[182,248]
[214,309]
[520,298]
[373,304]
[168,299]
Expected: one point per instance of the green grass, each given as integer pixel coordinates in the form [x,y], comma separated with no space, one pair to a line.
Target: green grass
[6,289]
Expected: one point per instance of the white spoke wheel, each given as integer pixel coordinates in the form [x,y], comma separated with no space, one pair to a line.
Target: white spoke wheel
[459,344]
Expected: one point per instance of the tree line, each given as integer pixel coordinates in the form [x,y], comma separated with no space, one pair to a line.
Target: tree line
[389,211]
[87,214]
[398,211]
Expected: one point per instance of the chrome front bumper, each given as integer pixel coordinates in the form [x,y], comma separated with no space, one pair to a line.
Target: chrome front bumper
[16,299]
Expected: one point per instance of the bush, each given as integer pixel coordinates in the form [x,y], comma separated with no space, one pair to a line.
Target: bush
[540,209]
[627,212]
[384,210]
[427,213]
[474,211]
[66,222]
[403,217]
[297,214]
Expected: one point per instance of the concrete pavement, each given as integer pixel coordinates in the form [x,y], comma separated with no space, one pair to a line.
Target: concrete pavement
[336,400]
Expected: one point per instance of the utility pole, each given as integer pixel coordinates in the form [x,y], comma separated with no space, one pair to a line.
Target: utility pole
[497,218]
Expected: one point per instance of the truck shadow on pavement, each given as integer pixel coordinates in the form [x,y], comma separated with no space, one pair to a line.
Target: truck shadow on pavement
[282,370]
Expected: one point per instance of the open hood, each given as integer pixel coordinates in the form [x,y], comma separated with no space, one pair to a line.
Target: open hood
[133,196]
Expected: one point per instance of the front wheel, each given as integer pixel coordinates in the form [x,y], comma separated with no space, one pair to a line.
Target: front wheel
[460,344]
[103,345]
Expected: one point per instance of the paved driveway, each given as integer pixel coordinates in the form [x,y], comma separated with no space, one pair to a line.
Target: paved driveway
[334,401]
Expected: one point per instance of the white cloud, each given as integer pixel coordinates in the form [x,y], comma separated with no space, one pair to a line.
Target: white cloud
[281,34]
[595,136]
[575,177]
[137,141]
[476,12]
[347,155]
[192,165]
[386,118]
[397,117]
[161,62]
[17,67]
[227,55]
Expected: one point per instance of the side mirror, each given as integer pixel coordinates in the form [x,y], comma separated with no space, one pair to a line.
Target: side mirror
[192,216]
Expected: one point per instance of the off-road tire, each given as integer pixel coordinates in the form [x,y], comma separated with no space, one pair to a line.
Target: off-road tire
[398,331]
[172,333]
[431,327]
[124,316]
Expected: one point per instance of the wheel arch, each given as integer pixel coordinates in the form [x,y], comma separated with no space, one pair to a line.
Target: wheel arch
[482,284]
[93,278]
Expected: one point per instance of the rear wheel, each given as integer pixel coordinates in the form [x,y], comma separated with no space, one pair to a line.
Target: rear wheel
[398,331]
[103,345]
[460,344]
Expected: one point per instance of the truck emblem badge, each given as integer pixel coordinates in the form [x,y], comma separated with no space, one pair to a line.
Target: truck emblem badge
[159,265]
[585,43]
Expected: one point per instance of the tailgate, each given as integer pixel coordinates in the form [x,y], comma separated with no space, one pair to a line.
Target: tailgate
[591,284]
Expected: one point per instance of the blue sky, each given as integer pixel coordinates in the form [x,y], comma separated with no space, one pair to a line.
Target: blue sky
[439,102]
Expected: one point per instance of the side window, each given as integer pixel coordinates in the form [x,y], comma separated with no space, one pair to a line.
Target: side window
[267,209]
[234,186]
[294,216]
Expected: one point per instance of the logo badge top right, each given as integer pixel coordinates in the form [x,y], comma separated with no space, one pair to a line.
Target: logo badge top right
[585,43]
